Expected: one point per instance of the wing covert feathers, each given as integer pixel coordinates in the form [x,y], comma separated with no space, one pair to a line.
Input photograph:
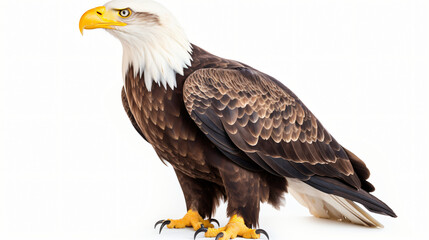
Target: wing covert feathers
[243,110]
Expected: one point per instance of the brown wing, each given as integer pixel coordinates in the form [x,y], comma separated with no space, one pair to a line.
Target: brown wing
[243,110]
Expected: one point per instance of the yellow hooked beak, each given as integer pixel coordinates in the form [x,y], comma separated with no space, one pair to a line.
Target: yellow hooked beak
[99,17]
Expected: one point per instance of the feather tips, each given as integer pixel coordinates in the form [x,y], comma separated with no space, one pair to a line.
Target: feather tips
[329,206]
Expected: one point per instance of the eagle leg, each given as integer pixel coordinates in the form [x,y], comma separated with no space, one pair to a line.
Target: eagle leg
[234,228]
[191,219]
[201,198]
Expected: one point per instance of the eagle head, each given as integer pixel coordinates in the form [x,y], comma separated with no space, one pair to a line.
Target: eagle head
[154,44]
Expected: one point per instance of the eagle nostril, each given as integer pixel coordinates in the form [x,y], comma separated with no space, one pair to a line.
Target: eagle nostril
[99,13]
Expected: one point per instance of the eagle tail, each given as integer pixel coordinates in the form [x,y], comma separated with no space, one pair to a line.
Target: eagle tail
[333,206]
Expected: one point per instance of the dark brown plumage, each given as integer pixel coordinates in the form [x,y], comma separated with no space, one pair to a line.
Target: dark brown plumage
[233,132]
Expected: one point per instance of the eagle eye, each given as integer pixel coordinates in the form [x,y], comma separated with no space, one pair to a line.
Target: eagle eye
[125,13]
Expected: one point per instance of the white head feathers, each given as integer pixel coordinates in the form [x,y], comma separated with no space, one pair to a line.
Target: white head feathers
[153,42]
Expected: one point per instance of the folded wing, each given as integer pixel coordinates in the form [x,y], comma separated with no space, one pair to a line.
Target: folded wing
[261,125]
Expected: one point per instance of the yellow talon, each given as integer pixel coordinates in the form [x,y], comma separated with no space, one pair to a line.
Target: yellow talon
[234,228]
[191,219]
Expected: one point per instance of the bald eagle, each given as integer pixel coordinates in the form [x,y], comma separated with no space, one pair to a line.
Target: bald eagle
[230,131]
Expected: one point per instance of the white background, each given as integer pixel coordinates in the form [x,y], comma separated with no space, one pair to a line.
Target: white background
[73,167]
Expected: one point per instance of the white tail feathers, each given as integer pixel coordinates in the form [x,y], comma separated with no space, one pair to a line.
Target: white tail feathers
[329,206]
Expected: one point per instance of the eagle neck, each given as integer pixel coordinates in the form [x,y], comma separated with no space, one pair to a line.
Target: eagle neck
[200,59]
[157,57]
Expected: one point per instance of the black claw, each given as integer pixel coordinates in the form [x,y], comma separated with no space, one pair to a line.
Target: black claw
[259,231]
[219,235]
[214,220]
[163,225]
[202,229]
[156,224]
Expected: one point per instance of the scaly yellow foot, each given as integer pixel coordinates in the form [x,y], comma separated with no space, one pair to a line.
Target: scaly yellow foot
[234,228]
[191,219]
